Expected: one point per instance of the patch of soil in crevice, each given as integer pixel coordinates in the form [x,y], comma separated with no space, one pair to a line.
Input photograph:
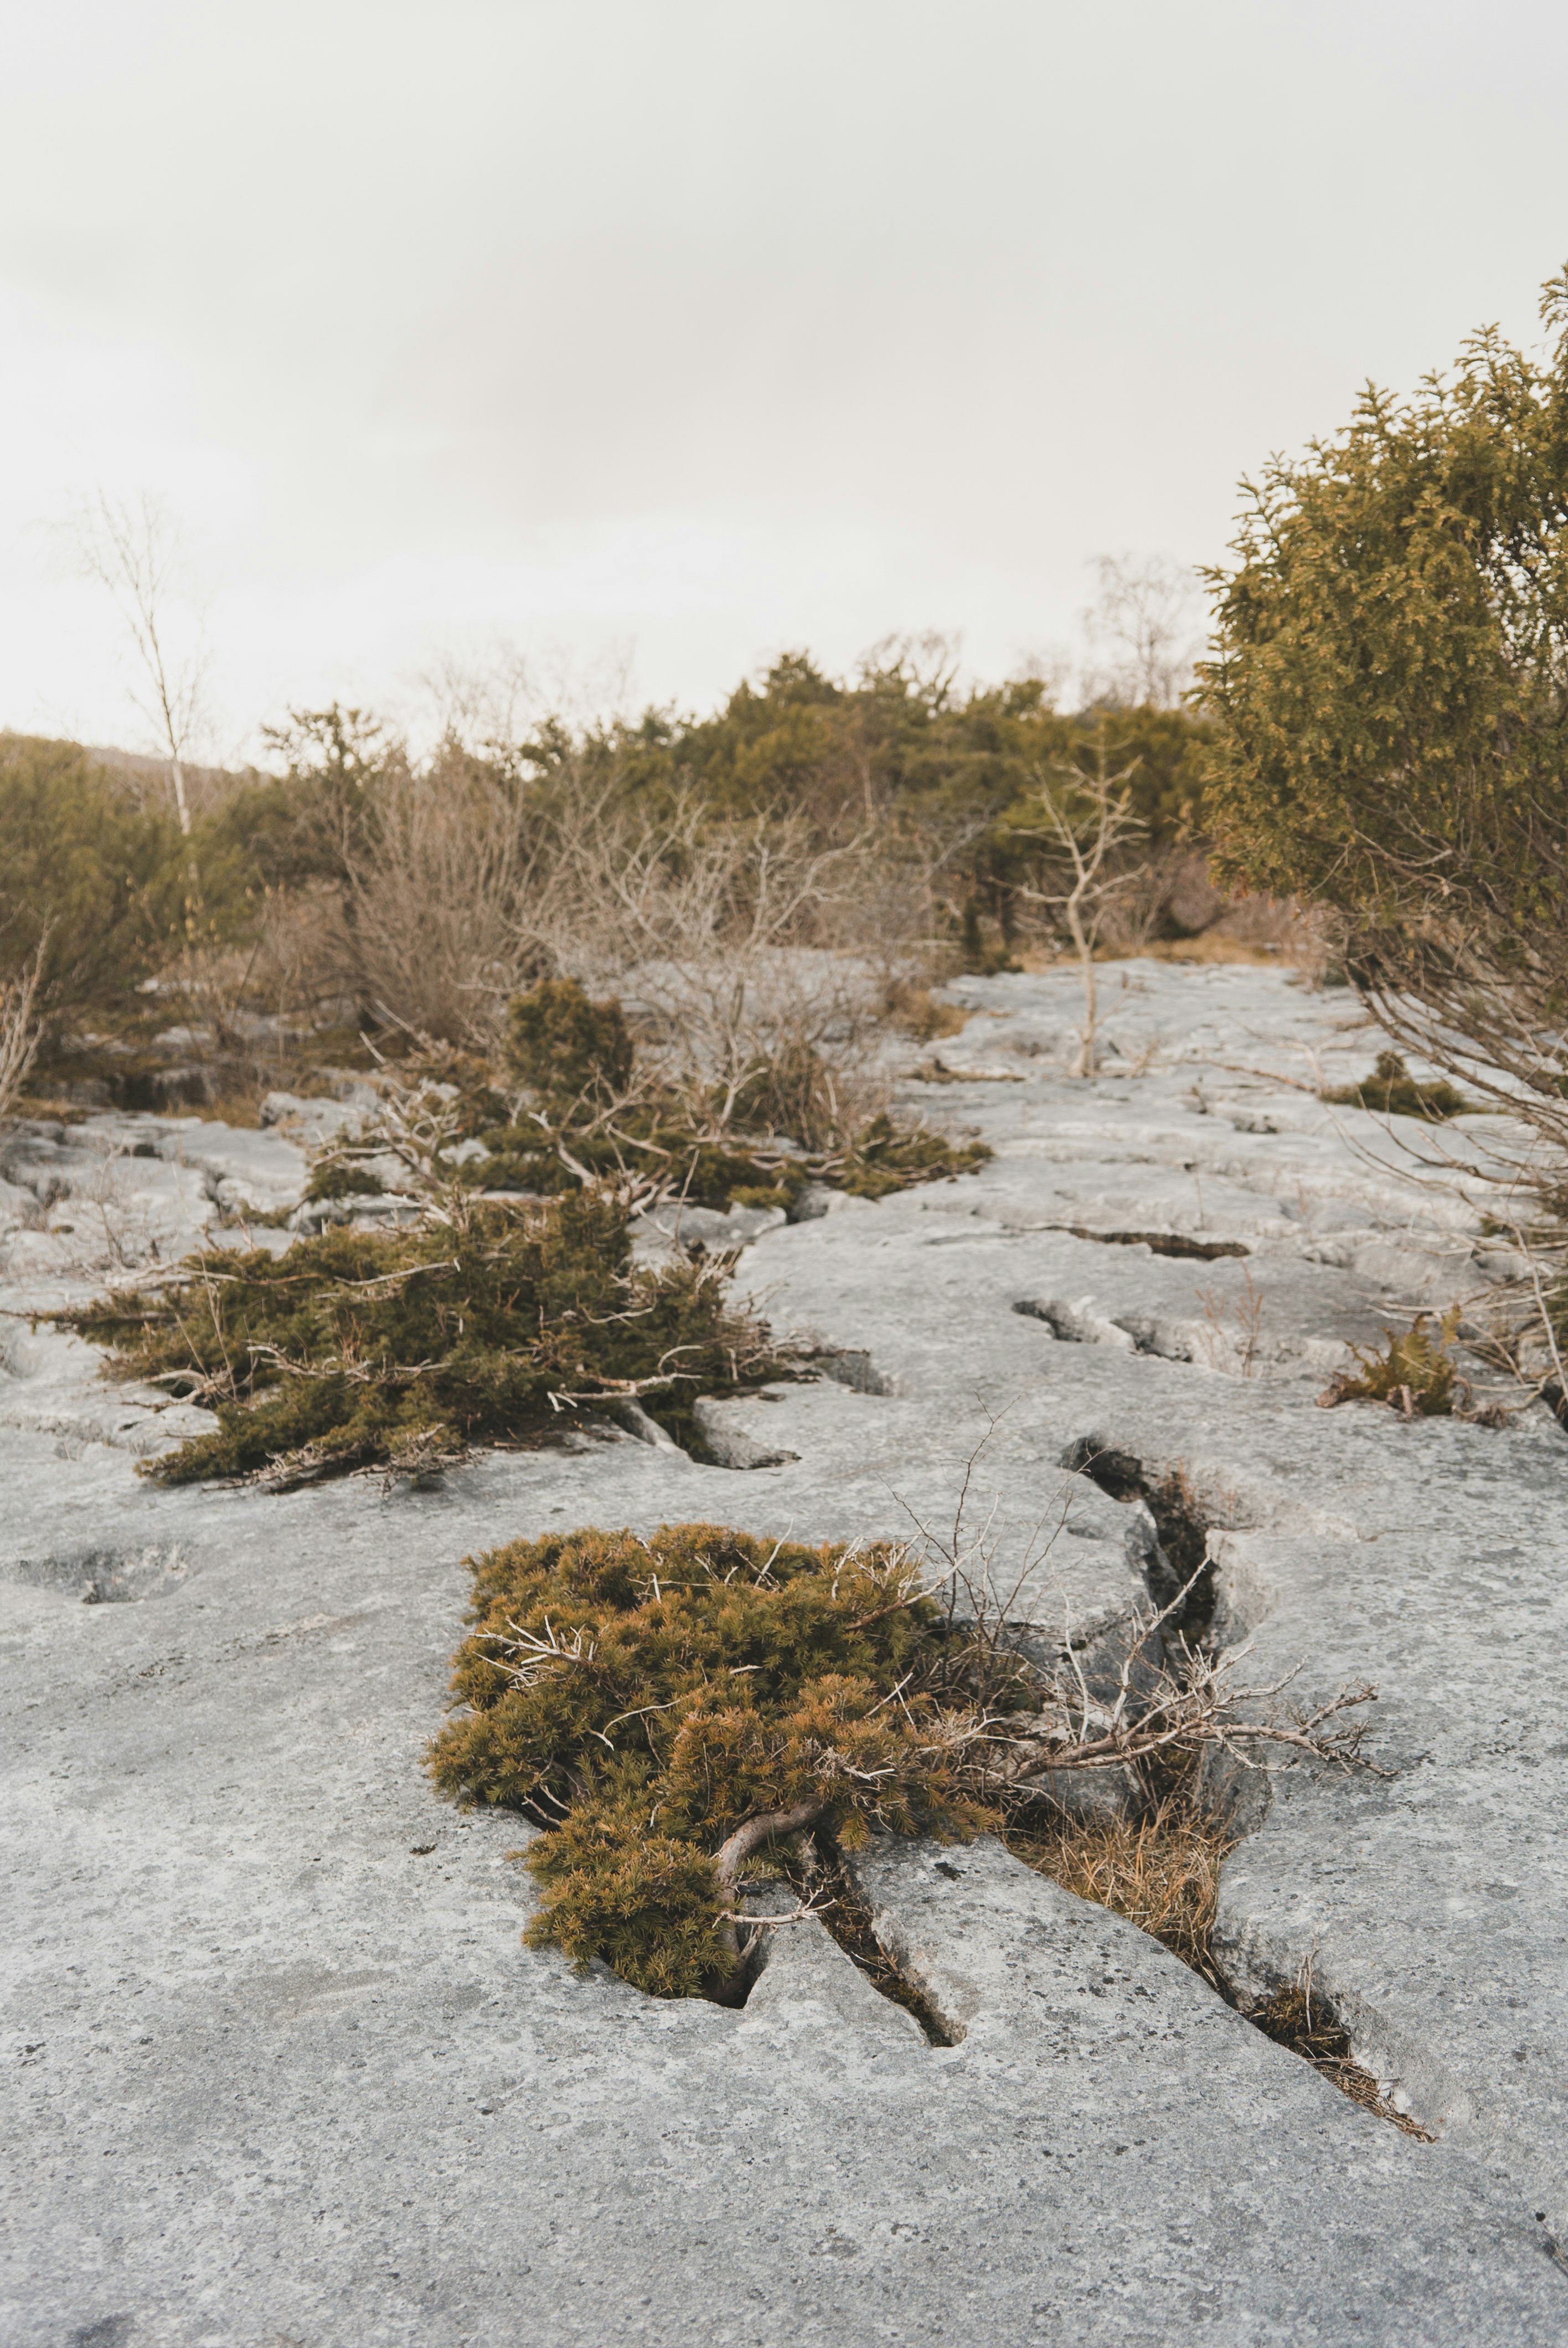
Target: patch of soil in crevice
[1178,1555]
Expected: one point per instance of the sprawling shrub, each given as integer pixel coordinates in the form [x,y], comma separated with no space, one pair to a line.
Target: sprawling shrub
[573,1053]
[399,1349]
[1392,1091]
[670,1709]
[1391,679]
[787,1119]
[587,1110]
[646,1700]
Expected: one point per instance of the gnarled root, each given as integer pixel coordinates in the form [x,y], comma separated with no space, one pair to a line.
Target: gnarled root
[732,1855]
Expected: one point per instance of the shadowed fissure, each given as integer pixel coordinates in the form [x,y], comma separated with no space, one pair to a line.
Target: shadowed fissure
[691,1715]
[1156,1859]
[815,1870]
[1159,1864]
[1177,1243]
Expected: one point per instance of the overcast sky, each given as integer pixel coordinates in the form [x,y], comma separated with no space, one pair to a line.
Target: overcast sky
[688,330]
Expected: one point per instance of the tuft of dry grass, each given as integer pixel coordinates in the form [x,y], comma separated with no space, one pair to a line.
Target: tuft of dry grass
[1414,1373]
[913,1007]
[1162,1872]
[239,1108]
[1206,947]
[1291,2019]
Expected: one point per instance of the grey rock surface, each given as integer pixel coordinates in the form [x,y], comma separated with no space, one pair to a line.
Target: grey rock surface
[281,2069]
[681,1226]
[806,1983]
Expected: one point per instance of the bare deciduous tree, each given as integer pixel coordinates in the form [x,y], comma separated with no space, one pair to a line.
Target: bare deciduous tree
[1087,819]
[133,550]
[1142,632]
[19,1027]
[431,898]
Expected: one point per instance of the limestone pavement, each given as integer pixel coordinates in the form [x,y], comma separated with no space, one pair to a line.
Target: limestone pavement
[279,2069]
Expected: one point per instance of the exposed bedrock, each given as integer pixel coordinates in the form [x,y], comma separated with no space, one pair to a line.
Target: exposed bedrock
[281,2069]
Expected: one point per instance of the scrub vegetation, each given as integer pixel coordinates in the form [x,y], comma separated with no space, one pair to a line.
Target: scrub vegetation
[883,826]
[1388,690]
[1392,1091]
[571,1103]
[671,1710]
[400,1350]
[510,1306]
[1415,1372]
[1387,686]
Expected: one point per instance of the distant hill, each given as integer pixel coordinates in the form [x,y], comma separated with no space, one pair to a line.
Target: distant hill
[149,776]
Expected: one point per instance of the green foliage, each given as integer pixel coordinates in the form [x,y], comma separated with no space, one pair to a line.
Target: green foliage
[902,735]
[398,1349]
[886,1158]
[1391,679]
[1416,1372]
[778,1130]
[306,824]
[570,1052]
[335,1177]
[899,749]
[80,861]
[644,1699]
[1392,1091]
[895,752]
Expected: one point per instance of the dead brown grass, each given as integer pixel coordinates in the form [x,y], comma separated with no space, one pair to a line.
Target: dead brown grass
[1209,948]
[914,1008]
[1206,948]
[235,1108]
[1162,1872]
[1292,2018]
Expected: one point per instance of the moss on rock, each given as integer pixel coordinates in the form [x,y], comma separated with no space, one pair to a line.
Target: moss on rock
[1392,1091]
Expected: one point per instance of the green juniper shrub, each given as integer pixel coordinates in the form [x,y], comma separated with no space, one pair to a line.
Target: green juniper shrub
[96,882]
[1392,1091]
[642,1700]
[1415,1372]
[359,1348]
[493,1318]
[761,1143]
[334,1177]
[678,1710]
[887,1158]
[1387,680]
[567,1049]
